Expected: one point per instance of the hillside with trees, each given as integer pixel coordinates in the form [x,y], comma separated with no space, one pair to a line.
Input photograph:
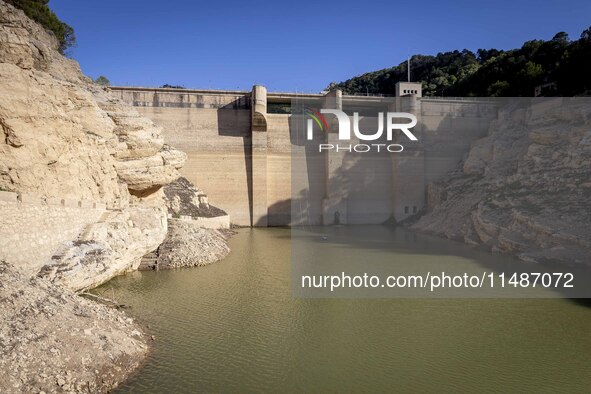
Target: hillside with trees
[560,66]
[38,10]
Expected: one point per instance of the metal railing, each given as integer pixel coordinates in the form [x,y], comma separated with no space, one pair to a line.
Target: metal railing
[368,94]
[445,98]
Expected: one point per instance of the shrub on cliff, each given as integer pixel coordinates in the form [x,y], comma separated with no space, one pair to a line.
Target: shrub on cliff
[102,80]
[38,10]
[168,86]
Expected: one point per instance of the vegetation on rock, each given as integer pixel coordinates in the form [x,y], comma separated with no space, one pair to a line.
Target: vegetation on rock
[169,86]
[102,80]
[38,10]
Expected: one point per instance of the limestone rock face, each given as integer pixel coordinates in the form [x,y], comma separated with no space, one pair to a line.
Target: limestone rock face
[110,247]
[480,155]
[145,173]
[57,140]
[63,137]
[187,243]
[19,43]
[525,188]
[67,141]
[185,199]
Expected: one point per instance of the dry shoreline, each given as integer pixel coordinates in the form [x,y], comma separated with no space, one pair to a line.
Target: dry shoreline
[53,340]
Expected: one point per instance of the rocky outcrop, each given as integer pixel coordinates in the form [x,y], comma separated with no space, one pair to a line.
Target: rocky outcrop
[525,188]
[143,175]
[53,341]
[188,245]
[184,199]
[110,247]
[64,137]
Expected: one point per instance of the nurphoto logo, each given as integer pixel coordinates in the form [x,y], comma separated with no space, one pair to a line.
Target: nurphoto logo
[344,128]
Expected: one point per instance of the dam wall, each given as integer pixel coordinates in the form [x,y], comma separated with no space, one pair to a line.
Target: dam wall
[241,146]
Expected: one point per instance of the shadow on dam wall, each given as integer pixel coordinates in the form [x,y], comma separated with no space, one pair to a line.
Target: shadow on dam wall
[226,119]
[373,187]
[322,187]
[319,188]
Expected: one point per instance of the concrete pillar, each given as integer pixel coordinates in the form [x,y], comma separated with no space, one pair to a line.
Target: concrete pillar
[259,108]
[334,206]
[333,100]
[408,167]
[258,176]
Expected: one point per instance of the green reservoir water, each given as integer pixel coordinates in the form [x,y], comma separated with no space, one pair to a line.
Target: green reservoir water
[235,327]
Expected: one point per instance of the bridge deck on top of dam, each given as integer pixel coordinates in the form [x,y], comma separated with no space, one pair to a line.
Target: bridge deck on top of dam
[240,147]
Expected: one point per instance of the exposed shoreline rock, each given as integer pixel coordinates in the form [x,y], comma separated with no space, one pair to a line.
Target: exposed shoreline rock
[63,138]
[55,341]
[188,245]
[184,199]
[525,188]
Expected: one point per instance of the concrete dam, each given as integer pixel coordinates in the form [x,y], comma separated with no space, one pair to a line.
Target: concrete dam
[245,152]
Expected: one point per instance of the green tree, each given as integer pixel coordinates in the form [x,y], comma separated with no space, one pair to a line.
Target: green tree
[498,89]
[532,73]
[38,10]
[561,38]
[102,80]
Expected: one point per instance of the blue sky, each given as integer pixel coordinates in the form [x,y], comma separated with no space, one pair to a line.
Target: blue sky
[293,46]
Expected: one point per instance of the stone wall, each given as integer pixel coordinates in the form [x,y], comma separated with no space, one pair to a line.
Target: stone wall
[217,222]
[33,228]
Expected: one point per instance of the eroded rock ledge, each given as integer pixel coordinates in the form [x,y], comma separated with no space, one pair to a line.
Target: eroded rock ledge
[525,188]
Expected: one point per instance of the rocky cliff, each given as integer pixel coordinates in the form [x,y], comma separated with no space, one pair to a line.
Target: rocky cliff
[64,137]
[524,189]
[63,140]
